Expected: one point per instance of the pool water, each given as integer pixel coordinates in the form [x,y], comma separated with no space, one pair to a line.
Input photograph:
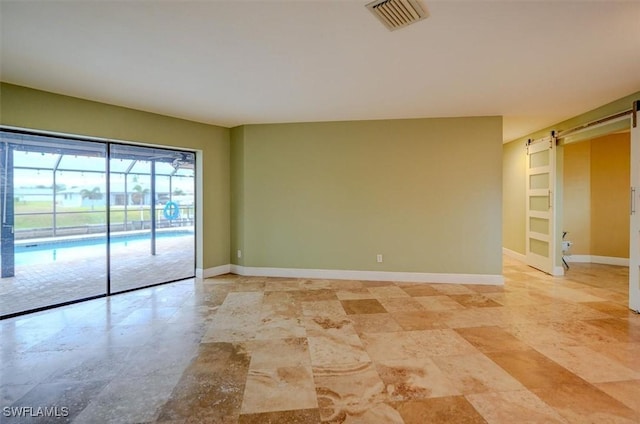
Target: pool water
[38,253]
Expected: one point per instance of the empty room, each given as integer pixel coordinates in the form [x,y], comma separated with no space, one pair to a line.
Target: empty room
[307,211]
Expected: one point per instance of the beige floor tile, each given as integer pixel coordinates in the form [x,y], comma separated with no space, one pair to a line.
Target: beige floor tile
[387,292]
[297,416]
[573,295]
[533,369]
[329,326]
[211,388]
[519,298]
[314,295]
[276,326]
[400,304]
[474,300]
[622,329]
[282,284]
[541,334]
[419,290]
[353,395]
[584,403]
[441,343]
[476,317]
[322,308]
[249,286]
[625,353]
[407,379]
[520,406]
[476,373]
[277,353]
[354,293]
[254,349]
[611,308]
[588,364]
[330,349]
[363,306]
[280,301]
[374,323]
[486,288]
[415,344]
[237,318]
[443,410]
[448,289]
[438,303]
[385,346]
[584,331]
[339,285]
[315,284]
[420,320]
[627,392]
[491,339]
[557,312]
[279,389]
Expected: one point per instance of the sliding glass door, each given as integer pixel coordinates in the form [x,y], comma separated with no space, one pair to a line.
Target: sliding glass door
[152,234]
[82,219]
[54,221]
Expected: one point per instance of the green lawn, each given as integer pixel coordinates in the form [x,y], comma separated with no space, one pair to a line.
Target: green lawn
[74,216]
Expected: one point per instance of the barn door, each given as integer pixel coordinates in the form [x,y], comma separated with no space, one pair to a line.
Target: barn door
[541,184]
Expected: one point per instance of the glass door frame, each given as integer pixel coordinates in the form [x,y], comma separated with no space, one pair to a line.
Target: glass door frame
[159,151]
[7,209]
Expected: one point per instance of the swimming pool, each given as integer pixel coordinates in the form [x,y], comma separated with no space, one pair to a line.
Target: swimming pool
[63,250]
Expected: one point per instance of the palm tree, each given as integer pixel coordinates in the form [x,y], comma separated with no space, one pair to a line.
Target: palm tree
[139,194]
[93,195]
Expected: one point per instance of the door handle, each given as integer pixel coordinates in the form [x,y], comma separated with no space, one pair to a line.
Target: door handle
[632,203]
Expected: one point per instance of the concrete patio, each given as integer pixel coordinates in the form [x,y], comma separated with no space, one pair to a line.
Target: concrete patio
[41,284]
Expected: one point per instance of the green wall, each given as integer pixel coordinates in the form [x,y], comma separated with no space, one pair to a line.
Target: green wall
[237,194]
[424,193]
[39,110]
[513,189]
[514,161]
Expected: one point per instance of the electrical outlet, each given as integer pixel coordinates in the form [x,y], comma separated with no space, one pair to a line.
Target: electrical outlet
[239,253]
[379,258]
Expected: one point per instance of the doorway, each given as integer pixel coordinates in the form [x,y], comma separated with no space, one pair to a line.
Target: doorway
[622,122]
[596,175]
[622,127]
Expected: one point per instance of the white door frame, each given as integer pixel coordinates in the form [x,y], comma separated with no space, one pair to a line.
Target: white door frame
[634,227]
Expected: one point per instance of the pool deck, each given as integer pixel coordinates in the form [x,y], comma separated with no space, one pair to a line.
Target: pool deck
[38,285]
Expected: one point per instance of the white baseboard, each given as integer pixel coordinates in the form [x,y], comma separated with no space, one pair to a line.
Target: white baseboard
[578,259]
[212,272]
[336,274]
[594,259]
[513,254]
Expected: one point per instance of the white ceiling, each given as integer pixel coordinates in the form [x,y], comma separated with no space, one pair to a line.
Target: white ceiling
[242,62]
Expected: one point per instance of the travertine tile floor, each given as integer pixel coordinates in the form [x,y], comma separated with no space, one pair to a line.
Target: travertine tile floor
[271,350]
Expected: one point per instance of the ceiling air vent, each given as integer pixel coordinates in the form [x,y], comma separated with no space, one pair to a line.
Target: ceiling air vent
[396,14]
